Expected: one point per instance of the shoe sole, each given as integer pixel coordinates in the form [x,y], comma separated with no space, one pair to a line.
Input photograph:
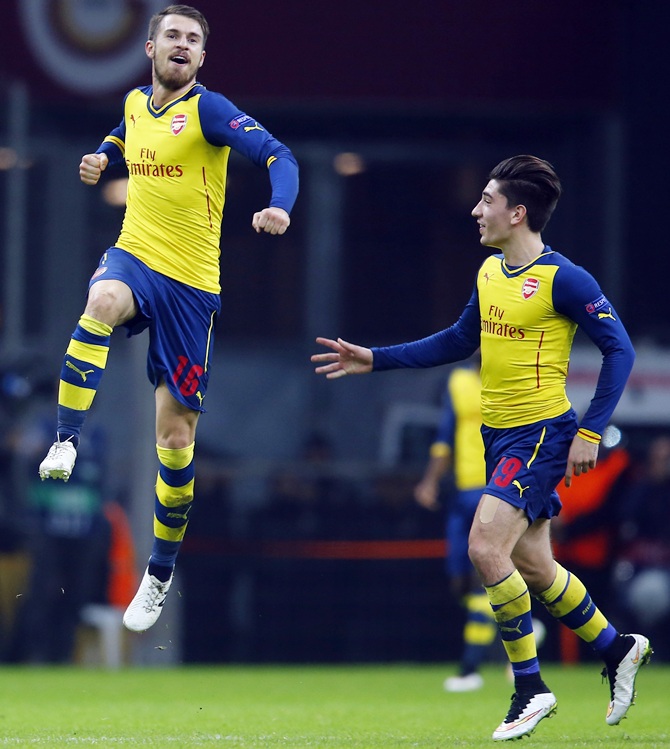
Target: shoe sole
[550,714]
[131,627]
[55,474]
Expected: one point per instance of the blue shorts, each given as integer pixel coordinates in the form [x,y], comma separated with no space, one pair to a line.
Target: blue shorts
[181,321]
[527,463]
[462,507]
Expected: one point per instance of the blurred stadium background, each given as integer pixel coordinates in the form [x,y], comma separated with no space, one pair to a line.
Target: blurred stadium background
[305,544]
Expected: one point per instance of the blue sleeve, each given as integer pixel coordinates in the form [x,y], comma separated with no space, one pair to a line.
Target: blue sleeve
[455,343]
[223,124]
[578,296]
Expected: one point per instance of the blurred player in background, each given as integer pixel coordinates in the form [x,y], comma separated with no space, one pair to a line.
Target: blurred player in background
[524,311]
[458,449]
[163,273]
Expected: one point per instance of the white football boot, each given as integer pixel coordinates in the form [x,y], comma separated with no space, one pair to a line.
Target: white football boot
[59,461]
[144,610]
[524,715]
[622,679]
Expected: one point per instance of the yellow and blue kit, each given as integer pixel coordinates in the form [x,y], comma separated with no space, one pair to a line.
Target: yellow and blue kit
[167,254]
[177,158]
[168,250]
[524,320]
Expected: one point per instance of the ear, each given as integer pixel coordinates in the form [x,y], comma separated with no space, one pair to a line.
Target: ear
[202,58]
[519,214]
[149,48]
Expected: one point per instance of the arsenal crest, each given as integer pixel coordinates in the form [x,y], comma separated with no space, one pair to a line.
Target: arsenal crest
[530,287]
[178,123]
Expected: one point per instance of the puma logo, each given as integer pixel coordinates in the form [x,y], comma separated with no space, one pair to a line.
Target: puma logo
[80,372]
[521,489]
[180,515]
[255,126]
[516,629]
[199,396]
[601,315]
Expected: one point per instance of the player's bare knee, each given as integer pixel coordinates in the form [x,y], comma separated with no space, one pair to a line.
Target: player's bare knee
[480,550]
[111,302]
[103,306]
[175,441]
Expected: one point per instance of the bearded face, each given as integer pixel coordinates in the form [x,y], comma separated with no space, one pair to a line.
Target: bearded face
[176,52]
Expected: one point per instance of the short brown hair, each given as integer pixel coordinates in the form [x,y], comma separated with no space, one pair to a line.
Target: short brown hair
[532,182]
[179,10]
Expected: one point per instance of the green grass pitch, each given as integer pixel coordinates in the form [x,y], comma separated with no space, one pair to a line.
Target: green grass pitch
[362,707]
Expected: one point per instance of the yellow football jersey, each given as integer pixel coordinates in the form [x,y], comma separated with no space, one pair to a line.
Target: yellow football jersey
[525,344]
[177,158]
[176,192]
[524,320]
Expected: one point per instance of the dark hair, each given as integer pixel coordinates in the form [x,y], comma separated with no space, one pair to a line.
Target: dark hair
[532,182]
[179,10]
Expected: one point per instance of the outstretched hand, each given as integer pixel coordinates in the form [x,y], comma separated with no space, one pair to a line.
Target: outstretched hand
[346,358]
